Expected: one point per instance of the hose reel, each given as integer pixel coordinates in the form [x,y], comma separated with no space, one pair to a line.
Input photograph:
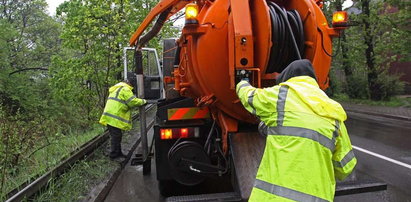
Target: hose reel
[185,159]
[287,37]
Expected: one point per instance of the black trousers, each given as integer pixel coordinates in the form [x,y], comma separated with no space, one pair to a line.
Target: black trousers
[116,136]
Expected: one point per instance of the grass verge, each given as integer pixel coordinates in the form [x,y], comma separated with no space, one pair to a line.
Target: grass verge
[75,184]
[393,102]
[43,158]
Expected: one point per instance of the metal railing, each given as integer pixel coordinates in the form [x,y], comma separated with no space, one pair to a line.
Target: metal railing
[27,189]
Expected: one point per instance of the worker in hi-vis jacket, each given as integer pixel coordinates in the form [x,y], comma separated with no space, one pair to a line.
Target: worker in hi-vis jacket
[117,112]
[307,145]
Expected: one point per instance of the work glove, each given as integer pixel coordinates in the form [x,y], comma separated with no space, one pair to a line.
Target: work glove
[241,76]
[151,101]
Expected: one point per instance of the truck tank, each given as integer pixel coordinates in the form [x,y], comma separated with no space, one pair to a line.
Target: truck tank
[258,38]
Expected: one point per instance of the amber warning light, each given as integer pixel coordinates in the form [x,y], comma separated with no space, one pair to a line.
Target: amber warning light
[340,19]
[191,13]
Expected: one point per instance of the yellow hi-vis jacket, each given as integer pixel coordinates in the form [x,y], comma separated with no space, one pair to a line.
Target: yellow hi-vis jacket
[307,144]
[117,111]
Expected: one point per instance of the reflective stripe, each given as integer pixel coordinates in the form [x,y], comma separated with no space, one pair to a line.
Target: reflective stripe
[118,91]
[116,99]
[243,85]
[282,96]
[129,99]
[285,192]
[263,129]
[302,132]
[188,113]
[347,158]
[117,117]
[335,133]
[250,101]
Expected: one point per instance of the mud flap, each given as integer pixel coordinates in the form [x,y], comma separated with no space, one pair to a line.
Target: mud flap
[246,151]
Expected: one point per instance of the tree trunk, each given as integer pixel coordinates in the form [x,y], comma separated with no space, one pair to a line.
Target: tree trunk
[345,63]
[373,85]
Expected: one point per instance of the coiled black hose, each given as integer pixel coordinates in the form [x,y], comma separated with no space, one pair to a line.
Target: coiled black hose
[287,37]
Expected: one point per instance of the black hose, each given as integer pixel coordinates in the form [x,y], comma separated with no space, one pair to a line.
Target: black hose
[177,56]
[155,29]
[287,36]
[207,143]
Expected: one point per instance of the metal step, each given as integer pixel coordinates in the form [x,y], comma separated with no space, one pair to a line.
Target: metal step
[227,196]
[359,182]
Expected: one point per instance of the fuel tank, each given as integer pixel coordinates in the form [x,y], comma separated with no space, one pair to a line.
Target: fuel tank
[211,51]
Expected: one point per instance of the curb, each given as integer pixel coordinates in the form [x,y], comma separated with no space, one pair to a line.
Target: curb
[404,118]
[105,186]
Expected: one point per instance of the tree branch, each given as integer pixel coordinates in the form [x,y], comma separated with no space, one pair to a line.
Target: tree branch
[27,69]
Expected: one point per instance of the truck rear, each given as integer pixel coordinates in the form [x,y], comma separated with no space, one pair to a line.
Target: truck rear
[202,131]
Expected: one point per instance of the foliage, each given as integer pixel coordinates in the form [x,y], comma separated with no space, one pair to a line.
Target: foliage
[54,76]
[94,34]
[356,85]
[84,175]
[28,37]
[335,84]
[27,150]
[392,102]
[19,134]
[372,45]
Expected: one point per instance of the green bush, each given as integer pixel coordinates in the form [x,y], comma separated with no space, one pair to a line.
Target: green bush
[390,85]
[357,86]
[335,85]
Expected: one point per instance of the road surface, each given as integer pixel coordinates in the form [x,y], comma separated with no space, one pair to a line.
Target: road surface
[382,147]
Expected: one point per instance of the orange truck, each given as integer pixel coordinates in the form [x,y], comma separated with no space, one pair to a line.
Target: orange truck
[202,130]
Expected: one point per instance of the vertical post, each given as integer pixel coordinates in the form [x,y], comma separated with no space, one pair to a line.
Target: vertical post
[138,59]
[142,114]
[125,62]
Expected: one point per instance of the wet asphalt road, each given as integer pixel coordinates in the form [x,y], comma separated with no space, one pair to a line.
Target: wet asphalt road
[133,186]
[382,147]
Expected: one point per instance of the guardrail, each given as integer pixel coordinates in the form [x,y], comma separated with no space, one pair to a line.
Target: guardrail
[27,189]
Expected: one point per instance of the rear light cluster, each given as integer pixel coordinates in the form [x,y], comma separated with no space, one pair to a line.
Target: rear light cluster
[176,133]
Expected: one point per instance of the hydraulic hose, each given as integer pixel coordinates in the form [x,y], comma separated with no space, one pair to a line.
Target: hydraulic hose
[155,29]
[287,37]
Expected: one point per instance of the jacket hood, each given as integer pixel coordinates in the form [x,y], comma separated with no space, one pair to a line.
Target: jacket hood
[117,86]
[310,93]
[296,68]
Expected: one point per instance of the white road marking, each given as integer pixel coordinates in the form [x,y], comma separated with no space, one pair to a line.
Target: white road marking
[383,157]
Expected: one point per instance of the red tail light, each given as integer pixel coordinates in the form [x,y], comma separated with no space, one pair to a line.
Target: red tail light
[176,133]
[184,132]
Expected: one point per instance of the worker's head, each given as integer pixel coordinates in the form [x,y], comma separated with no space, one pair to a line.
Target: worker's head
[296,68]
[131,79]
